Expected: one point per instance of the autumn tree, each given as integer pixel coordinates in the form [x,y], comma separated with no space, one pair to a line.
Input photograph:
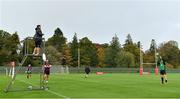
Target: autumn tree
[101,54]
[67,54]
[170,52]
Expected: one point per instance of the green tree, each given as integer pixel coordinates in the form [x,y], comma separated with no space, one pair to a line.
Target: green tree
[8,46]
[129,39]
[53,55]
[173,43]
[4,52]
[125,59]
[170,53]
[94,56]
[111,52]
[153,45]
[132,48]
[149,55]
[88,53]
[28,44]
[74,51]
[14,46]
[57,40]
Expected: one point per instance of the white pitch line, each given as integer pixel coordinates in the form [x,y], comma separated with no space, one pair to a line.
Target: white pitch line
[50,91]
[53,92]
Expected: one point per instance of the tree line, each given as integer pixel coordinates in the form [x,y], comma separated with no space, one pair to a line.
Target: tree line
[83,52]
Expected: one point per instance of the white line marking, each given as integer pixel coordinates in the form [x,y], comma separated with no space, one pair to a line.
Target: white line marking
[50,91]
[57,94]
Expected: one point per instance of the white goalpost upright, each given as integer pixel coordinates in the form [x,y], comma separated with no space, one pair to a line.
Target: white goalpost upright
[6,70]
[11,69]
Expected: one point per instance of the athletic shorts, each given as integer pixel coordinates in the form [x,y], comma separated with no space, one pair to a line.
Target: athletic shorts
[28,72]
[162,72]
[38,42]
[47,72]
[87,72]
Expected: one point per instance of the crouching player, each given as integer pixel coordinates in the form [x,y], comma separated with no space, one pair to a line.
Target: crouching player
[162,66]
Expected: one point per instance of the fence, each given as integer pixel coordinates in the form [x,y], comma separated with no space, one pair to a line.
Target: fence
[54,69]
[66,69]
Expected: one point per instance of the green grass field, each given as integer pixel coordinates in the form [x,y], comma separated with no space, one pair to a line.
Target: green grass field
[96,86]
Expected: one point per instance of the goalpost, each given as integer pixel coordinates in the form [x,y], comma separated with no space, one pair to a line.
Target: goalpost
[15,71]
[12,69]
[154,63]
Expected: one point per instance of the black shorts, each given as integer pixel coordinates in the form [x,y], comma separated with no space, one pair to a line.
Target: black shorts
[162,72]
[38,42]
[87,72]
[47,72]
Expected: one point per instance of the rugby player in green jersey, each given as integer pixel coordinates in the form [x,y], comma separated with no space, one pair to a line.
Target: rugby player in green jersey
[162,68]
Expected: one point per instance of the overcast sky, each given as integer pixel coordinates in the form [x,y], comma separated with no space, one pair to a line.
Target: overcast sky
[99,20]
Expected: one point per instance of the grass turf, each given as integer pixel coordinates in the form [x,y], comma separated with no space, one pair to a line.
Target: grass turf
[95,86]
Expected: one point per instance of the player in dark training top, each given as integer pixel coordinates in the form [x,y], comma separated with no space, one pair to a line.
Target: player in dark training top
[87,71]
[47,68]
[29,71]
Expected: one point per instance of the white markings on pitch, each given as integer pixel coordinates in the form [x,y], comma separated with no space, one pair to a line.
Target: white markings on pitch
[53,92]
[50,91]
